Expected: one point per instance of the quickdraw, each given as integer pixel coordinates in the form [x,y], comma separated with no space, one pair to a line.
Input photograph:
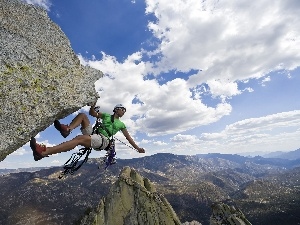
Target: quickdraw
[110,157]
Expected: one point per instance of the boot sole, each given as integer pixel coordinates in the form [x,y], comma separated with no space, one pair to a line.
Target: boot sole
[36,155]
[57,126]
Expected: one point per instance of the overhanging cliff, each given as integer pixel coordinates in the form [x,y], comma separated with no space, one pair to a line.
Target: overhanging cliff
[41,78]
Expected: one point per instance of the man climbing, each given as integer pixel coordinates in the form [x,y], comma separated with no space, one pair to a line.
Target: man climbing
[96,141]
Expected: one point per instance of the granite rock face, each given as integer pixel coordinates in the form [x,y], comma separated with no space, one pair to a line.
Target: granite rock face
[41,78]
[225,214]
[132,200]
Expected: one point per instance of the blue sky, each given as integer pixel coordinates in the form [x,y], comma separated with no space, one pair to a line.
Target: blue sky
[196,76]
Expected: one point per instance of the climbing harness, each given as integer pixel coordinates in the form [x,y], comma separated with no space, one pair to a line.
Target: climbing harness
[109,157]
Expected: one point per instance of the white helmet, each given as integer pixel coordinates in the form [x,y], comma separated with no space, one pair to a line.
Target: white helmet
[119,106]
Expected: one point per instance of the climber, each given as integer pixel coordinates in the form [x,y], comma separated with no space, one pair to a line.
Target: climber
[87,139]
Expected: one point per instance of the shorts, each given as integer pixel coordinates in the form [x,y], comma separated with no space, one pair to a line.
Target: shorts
[98,141]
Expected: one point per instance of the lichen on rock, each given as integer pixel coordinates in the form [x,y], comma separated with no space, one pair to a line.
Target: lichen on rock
[41,78]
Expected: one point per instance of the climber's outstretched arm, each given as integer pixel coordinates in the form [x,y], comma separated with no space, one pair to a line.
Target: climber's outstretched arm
[131,141]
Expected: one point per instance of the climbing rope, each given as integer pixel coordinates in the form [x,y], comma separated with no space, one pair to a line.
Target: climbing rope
[126,144]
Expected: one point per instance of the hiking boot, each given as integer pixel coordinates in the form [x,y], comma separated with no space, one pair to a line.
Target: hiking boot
[37,149]
[63,129]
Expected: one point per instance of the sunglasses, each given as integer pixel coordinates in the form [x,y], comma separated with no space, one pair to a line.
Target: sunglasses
[123,109]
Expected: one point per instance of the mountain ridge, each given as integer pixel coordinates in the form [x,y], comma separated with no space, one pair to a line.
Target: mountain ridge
[189,183]
[284,161]
[284,155]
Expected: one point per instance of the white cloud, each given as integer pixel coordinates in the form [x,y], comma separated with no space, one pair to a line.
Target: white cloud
[160,143]
[184,138]
[223,88]
[227,40]
[248,89]
[56,162]
[20,151]
[277,131]
[46,4]
[266,79]
[270,122]
[153,108]
[145,141]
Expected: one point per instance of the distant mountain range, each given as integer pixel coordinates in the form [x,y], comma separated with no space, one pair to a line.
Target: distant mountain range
[265,189]
[278,154]
[284,155]
[276,161]
[31,169]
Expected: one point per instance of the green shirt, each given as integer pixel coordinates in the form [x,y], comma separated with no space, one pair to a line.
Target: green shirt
[113,128]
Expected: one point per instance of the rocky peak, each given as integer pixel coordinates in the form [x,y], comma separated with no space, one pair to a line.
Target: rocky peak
[225,214]
[132,200]
[41,78]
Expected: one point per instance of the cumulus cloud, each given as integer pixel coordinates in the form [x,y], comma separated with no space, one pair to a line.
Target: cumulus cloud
[223,88]
[153,108]
[224,39]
